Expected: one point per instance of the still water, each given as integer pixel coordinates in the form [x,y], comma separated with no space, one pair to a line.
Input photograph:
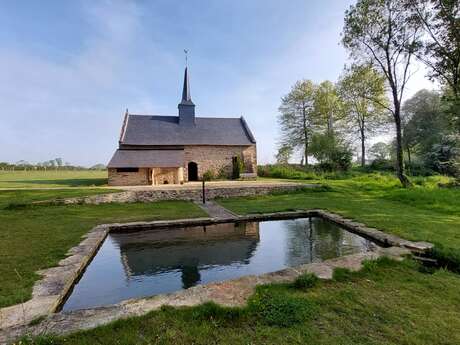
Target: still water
[146,263]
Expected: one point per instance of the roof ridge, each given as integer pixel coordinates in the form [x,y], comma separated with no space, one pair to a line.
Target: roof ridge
[198,117]
[247,130]
[123,127]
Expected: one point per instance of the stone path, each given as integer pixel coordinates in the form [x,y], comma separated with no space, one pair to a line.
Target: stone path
[215,210]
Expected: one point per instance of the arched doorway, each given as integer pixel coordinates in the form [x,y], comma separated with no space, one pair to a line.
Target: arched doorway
[192,171]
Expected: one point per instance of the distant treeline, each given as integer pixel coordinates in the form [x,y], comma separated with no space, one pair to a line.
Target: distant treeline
[53,164]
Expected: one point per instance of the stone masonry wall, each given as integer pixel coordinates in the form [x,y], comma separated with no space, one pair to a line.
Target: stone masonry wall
[218,159]
[193,194]
[168,175]
[128,178]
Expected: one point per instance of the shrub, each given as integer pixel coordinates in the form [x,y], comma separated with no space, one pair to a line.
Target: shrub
[382,165]
[213,311]
[331,152]
[417,168]
[208,175]
[223,174]
[278,308]
[237,167]
[305,281]
[293,172]
[17,206]
[341,274]
[444,157]
[448,258]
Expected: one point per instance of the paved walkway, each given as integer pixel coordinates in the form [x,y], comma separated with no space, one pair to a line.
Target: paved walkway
[214,210]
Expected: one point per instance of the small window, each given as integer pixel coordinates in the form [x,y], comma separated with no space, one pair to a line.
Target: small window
[127,169]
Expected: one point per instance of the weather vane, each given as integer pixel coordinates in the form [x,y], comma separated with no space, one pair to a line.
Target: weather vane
[186,57]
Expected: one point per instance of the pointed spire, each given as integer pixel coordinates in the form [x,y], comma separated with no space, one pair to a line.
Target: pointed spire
[186,89]
[186,106]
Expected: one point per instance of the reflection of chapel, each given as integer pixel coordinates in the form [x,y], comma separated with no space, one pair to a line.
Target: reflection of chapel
[178,248]
[157,149]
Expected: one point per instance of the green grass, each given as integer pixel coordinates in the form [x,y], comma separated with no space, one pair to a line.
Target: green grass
[385,303]
[37,237]
[423,212]
[388,303]
[52,179]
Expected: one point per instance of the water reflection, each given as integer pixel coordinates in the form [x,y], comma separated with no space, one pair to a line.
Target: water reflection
[150,262]
[317,240]
[188,250]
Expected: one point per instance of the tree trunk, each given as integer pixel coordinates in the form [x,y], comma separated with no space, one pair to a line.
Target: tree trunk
[399,149]
[306,152]
[363,146]
[408,154]
[305,133]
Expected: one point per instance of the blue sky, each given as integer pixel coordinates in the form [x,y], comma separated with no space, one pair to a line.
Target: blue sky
[69,69]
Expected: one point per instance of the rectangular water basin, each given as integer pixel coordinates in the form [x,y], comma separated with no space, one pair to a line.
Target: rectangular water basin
[150,262]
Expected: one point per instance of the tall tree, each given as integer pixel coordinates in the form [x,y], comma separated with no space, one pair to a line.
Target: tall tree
[380,151]
[284,154]
[424,122]
[362,90]
[440,20]
[440,51]
[296,117]
[384,33]
[327,105]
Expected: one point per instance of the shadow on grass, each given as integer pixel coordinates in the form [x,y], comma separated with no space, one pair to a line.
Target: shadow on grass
[75,182]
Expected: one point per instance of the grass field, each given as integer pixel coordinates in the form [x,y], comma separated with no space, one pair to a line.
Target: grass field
[386,303]
[52,179]
[422,213]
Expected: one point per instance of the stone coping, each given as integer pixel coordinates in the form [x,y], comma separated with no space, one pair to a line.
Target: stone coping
[50,292]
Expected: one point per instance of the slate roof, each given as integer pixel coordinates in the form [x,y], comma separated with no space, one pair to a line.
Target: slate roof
[165,130]
[147,159]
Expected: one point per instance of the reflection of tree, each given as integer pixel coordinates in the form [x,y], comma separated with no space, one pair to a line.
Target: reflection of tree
[190,275]
[315,239]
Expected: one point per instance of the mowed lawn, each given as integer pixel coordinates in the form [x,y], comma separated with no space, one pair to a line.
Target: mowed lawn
[422,213]
[36,237]
[53,178]
[386,303]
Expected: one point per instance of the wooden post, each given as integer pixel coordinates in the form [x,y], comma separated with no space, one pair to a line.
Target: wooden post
[204,194]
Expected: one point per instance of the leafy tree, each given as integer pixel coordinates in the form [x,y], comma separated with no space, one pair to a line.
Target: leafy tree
[331,152]
[440,20]
[284,154]
[99,166]
[58,162]
[444,157]
[296,117]
[327,105]
[362,90]
[380,151]
[440,51]
[384,33]
[22,163]
[424,123]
